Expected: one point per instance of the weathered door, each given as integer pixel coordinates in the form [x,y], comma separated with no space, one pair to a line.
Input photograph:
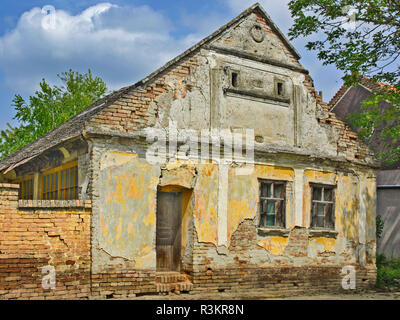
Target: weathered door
[168,236]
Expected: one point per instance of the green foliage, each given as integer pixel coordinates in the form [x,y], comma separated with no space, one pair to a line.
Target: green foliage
[50,107]
[371,49]
[388,271]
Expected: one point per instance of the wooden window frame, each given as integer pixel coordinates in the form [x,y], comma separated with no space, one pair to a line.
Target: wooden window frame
[22,188]
[282,219]
[57,171]
[324,202]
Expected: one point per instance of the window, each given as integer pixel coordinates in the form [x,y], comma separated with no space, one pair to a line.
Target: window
[61,183]
[279,88]
[272,204]
[323,206]
[26,188]
[235,79]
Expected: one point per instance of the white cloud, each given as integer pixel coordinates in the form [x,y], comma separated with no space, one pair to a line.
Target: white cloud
[121,44]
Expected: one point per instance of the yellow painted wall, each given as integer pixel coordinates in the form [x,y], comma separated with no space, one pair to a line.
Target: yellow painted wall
[243,196]
[206,202]
[127,209]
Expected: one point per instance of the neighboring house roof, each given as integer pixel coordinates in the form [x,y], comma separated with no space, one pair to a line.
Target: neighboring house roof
[74,126]
[348,100]
[366,82]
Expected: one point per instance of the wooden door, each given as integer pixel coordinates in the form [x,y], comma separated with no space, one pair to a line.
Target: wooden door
[168,233]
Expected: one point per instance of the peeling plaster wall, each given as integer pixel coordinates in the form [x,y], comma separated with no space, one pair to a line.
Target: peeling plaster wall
[127,209]
[206,203]
[298,245]
[127,214]
[186,101]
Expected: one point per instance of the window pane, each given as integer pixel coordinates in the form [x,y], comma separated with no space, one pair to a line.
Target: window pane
[263,220]
[24,189]
[56,186]
[328,194]
[71,172]
[67,184]
[320,210]
[62,193]
[270,220]
[76,183]
[263,208]
[31,189]
[266,190]
[329,218]
[319,217]
[320,222]
[278,190]
[317,193]
[279,214]
[72,176]
[271,207]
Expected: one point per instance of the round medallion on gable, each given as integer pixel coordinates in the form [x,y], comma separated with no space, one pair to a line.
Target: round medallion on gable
[257,33]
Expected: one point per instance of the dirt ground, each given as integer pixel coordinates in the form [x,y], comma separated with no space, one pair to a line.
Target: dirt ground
[376,294]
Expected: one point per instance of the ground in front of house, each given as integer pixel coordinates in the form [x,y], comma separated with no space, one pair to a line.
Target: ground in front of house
[374,294]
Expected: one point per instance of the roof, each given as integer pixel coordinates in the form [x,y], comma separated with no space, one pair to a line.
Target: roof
[74,126]
[364,81]
[349,100]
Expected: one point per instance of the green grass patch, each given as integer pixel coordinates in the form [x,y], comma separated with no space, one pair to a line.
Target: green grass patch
[388,271]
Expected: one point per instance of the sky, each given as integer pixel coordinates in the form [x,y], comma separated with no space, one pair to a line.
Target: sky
[121,41]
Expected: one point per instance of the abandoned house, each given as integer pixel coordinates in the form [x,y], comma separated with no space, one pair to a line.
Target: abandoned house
[348,101]
[85,200]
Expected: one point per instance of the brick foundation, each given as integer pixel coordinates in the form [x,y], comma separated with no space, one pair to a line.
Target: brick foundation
[280,281]
[117,284]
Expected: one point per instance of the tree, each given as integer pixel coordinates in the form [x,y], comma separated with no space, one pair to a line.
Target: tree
[361,38]
[50,107]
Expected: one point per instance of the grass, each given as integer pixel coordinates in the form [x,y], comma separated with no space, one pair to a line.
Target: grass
[388,271]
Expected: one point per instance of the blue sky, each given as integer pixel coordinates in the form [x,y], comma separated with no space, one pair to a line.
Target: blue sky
[119,40]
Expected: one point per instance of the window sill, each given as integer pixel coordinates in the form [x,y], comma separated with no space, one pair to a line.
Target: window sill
[54,204]
[273,231]
[326,233]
